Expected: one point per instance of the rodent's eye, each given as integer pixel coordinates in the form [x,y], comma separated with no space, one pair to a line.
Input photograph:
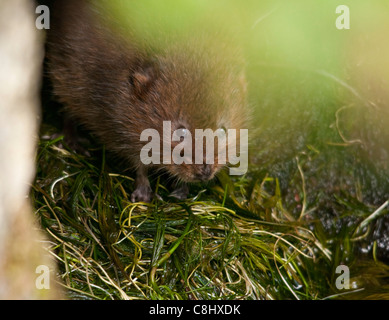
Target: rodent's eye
[182,133]
[221,130]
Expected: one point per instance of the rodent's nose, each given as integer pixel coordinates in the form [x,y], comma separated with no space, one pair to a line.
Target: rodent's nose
[207,170]
[204,173]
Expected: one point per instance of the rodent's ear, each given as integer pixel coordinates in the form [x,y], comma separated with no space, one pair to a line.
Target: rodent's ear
[141,80]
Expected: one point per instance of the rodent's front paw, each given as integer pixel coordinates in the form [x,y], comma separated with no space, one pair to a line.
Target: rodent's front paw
[181,193]
[142,193]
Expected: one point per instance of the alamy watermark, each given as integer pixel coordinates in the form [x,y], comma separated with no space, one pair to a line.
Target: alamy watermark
[43,280]
[43,20]
[342,281]
[183,151]
[343,20]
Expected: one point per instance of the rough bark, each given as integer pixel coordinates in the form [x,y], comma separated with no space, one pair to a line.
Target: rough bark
[21,246]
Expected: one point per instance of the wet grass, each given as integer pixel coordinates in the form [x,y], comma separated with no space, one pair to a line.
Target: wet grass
[315,196]
[237,238]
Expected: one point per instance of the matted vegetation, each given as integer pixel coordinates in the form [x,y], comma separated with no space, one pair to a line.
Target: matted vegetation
[315,196]
[202,248]
[235,239]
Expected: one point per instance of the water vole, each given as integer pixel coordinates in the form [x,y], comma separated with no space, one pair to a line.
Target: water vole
[117,89]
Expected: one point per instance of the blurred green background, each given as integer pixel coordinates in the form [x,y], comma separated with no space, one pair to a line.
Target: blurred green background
[301,68]
[314,89]
[319,133]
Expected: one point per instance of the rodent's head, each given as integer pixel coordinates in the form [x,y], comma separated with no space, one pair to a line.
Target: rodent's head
[189,91]
[194,153]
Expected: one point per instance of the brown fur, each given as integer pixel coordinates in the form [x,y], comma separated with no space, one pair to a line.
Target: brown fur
[117,89]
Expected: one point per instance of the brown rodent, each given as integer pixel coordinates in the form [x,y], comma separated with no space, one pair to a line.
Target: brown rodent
[116,89]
